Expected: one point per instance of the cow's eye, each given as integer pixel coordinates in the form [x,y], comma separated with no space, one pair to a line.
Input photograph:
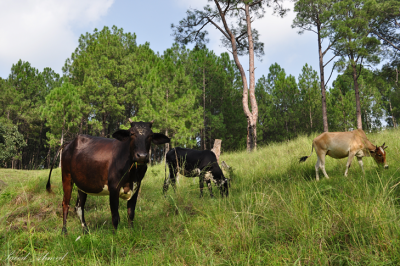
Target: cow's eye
[380,155]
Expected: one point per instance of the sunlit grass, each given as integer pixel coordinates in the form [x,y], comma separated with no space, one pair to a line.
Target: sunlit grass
[276,214]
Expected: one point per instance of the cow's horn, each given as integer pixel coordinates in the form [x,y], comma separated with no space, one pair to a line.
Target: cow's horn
[383,145]
[152,121]
[130,120]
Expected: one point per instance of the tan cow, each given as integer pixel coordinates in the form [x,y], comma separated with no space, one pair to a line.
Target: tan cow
[340,145]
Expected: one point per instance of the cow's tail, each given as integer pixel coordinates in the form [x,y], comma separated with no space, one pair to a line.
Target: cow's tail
[48,186]
[304,158]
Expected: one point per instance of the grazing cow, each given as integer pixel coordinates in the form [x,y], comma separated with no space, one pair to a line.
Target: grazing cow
[101,166]
[340,145]
[195,163]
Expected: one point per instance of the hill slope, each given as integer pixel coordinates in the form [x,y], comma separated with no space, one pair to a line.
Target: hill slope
[276,214]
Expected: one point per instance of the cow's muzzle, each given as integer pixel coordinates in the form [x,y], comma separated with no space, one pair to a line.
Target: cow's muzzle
[142,157]
[386,166]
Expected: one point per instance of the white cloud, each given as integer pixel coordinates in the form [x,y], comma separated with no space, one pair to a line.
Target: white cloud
[41,32]
[197,4]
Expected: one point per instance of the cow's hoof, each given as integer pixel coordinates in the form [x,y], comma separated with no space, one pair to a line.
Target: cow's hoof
[64,231]
[85,230]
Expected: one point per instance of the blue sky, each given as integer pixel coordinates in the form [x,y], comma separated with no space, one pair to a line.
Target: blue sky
[46,32]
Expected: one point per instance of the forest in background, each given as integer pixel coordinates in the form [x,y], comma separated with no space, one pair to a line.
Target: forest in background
[193,95]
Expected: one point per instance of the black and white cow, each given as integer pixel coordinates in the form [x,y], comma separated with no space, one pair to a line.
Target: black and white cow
[192,163]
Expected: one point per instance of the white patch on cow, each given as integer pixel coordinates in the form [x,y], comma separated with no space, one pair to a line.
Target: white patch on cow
[383,152]
[79,213]
[122,195]
[209,176]
[197,171]
[104,192]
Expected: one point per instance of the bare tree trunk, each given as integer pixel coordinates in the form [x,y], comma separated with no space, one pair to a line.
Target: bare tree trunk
[203,146]
[252,139]
[253,115]
[391,112]
[49,157]
[62,141]
[310,119]
[322,76]
[217,148]
[40,145]
[104,123]
[356,89]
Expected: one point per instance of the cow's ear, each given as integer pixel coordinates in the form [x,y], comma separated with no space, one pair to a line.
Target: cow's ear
[159,138]
[385,147]
[121,135]
[372,151]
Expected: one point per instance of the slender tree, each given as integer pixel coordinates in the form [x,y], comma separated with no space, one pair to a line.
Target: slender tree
[234,21]
[312,16]
[63,109]
[354,44]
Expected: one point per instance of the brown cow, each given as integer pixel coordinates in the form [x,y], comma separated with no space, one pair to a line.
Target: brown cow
[102,166]
[340,145]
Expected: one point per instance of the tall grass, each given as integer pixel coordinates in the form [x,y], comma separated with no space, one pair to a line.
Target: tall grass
[276,214]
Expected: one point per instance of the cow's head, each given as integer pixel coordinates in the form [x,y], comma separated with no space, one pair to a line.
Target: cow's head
[379,155]
[140,137]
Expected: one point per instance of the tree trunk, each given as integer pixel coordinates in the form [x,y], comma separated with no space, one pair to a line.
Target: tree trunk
[358,105]
[49,157]
[203,145]
[322,77]
[217,148]
[252,123]
[62,141]
[391,112]
[104,123]
[166,145]
[40,145]
[253,115]
[310,119]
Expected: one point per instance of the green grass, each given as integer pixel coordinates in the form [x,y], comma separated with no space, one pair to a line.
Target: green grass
[276,214]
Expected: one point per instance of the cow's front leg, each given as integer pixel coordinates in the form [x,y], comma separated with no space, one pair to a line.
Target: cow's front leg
[114,204]
[348,164]
[80,209]
[360,162]
[209,177]
[201,184]
[131,205]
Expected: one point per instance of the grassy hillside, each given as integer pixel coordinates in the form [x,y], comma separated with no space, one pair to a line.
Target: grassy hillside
[276,214]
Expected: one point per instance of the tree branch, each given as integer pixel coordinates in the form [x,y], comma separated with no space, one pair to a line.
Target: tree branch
[394,46]
[330,74]
[329,61]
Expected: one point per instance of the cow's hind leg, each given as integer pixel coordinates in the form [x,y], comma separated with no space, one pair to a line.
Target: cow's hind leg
[67,187]
[80,209]
[321,160]
[131,205]
[317,169]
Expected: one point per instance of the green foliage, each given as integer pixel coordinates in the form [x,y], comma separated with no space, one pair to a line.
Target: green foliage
[63,108]
[11,142]
[341,103]
[310,100]
[281,121]
[351,29]
[97,69]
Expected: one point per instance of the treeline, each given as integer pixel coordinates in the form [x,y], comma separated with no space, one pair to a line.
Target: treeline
[194,97]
